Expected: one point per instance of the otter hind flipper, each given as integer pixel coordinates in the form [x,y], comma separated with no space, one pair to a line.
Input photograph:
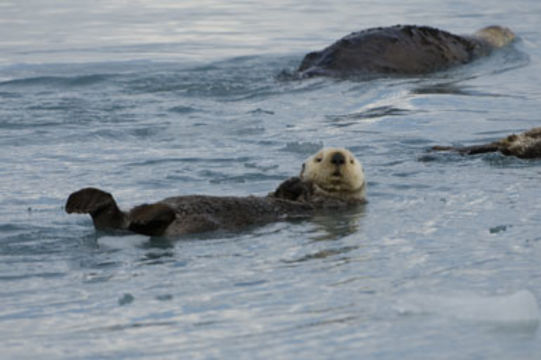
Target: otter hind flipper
[100,205]
[151,219]
[479,149]
[88,200]
[470,150]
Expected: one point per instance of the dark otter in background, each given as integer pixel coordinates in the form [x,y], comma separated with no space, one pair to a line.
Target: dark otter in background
[526,145]
[402,49]
[332,178]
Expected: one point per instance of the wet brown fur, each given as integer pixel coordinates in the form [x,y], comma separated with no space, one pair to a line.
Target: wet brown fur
[401,49]
[184,214]
[526,145]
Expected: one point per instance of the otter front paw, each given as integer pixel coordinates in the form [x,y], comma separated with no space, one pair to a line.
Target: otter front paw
[151,219]
[293,189]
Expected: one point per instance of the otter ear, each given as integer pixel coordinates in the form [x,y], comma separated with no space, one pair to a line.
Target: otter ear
[302,170]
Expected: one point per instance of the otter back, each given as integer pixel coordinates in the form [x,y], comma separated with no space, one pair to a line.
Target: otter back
[393,50]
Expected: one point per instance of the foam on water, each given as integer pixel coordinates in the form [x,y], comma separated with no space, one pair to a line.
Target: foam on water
[122,242]
[519,308]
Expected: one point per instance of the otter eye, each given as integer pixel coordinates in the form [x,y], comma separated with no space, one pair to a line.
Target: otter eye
[318,159]
[352,161]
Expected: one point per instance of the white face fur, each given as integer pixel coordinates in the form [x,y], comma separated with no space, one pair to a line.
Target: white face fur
[335,172]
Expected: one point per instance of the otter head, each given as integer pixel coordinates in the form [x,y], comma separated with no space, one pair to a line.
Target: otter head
[335,172]
[496,36]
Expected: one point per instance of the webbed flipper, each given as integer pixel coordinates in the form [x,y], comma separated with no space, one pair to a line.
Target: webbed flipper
[100,205]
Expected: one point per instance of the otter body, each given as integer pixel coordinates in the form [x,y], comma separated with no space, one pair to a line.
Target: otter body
[401,49]
[180,215]
[330,183]
[526,145]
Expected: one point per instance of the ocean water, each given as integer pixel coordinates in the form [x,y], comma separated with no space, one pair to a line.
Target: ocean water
[148,99]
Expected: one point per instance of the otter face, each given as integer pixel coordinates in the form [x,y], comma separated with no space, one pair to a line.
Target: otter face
[335,172]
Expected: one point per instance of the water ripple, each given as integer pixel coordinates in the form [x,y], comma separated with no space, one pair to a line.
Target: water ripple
[59,81]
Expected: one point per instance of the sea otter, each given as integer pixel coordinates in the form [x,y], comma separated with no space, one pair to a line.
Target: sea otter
[333,178]
[402,49]
[526,145]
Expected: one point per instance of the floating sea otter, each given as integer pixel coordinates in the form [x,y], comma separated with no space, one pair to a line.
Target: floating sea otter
[332,178]
[526,145]
[402,49]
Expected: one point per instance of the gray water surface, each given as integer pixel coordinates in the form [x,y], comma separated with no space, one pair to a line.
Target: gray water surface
[149,99]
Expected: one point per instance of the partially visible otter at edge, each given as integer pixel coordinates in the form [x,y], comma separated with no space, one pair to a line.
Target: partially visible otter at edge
[402,49]
[332,178]
[526,145]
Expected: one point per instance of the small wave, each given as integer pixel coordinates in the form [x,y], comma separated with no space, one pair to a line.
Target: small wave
[80,80]
[498,160]
[45,275]
[455,89]
[371,113]
[35,240]
[9,95]
[134,325]
[192,160]
[510,58]
[323,254]
[250,283]
[182,109]
[220,178]
[299,147]
[224,79]
[442,88]
[447,156]
[4,228]
[255,165]
[261,111]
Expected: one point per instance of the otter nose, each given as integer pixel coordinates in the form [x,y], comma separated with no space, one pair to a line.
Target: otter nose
[338,159]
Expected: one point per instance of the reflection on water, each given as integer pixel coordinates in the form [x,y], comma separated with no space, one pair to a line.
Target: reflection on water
[333,226]
[323,254]
[455,89]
